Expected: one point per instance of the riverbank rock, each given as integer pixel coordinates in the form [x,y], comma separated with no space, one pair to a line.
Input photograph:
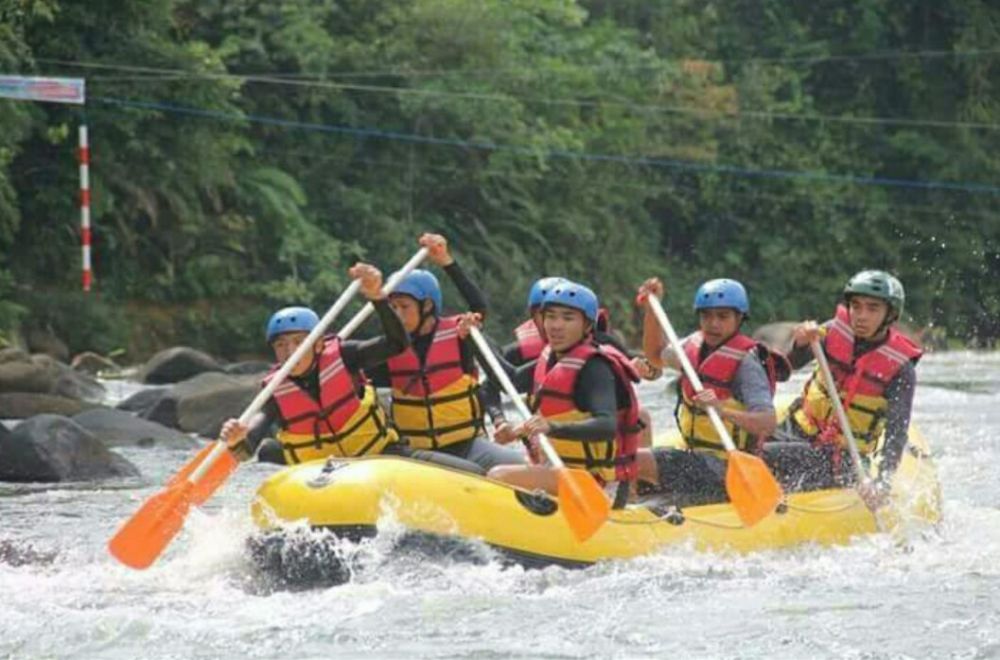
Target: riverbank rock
[117,428]
[141,402]
[22,405]
[19,553]
[91,363]
[13,354]
[177,364]
[248,368]
[44,341]
[51,448]
[776,335]
[200,404]
[43,374]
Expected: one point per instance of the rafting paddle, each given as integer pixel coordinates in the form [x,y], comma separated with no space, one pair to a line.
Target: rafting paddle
[864,480]
[752,489]
[581,499]
[147,533]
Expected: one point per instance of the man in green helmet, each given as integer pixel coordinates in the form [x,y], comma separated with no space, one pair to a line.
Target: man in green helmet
[873,364]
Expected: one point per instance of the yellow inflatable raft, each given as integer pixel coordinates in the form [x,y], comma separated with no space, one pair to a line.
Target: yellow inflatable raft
[349,497]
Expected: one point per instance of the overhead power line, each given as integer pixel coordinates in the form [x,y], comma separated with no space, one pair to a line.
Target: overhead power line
[873,56]
[485,145]
[168,75]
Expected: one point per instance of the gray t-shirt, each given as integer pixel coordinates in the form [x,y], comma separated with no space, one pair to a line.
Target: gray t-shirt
[750,385]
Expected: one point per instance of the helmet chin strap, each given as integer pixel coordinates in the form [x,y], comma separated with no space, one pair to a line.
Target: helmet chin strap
[424,315]
[890,318]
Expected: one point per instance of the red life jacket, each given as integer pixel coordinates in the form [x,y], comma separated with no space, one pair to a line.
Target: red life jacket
[529,342]
[717,372]
[861,384]
[873,371]
[435,403]
[610,460]
[335,423]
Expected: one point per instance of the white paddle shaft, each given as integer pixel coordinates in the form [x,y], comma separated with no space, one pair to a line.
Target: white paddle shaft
[838,406]
[511,391]
[306,346]
[692,375]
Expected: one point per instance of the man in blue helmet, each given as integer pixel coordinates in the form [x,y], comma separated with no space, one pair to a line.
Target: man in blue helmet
[531,340]
[436,404]
[530,335]
[874,366]
[739,375]
[326,407]
[583,397]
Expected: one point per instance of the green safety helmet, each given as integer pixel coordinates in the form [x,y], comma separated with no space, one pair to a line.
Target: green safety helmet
[877,284]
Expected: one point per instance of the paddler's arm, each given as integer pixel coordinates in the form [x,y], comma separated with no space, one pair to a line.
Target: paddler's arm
[595,394]
[754,391]
[511,352]
[801,353]
[244,440]
[441,255]
[369,353]
[899,394]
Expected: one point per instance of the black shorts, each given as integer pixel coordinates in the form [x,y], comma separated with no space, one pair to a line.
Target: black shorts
[690,478]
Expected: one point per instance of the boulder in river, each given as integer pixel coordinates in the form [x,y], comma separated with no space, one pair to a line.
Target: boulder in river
[142,401]
[201,404]
[22,405]
[248,368]
[51,448]
[44,341]
[117,428]
[42,373]
[177,364]
[91,363]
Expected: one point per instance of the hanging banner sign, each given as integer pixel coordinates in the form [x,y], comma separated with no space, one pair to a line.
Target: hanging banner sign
[52,90]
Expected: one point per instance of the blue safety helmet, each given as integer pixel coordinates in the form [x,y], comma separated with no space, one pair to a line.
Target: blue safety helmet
[421,285]
[577,296]
[291,319]
[538,290]
[722,293]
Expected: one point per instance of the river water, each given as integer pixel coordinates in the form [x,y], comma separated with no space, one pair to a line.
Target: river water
[938,597]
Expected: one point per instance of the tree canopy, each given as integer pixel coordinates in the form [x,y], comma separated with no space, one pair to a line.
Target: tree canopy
[245,153]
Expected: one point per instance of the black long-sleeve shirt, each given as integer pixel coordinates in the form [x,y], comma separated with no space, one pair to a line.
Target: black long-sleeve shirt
[357,355]
[597,392]
[898,393]
[476,302]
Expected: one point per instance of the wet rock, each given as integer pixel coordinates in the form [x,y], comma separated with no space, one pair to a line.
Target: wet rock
[15,553]
[776,335]
[17,375]
[41,340]
[117,428]
[22,405]
[177,364]
[43,374]
[91,363]
[11,354]
[203,410]
[200,404]
[70,383]
[51,448]
[250,367]
[141,402]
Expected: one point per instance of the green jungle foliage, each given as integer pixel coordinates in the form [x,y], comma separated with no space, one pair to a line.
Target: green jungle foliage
[246,152]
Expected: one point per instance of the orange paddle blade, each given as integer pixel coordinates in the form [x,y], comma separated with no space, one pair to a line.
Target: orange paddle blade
[141,540]
[753,490]
[583,502]
[224,466]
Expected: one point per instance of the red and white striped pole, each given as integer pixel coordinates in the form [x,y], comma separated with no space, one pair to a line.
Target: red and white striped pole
[85,206]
